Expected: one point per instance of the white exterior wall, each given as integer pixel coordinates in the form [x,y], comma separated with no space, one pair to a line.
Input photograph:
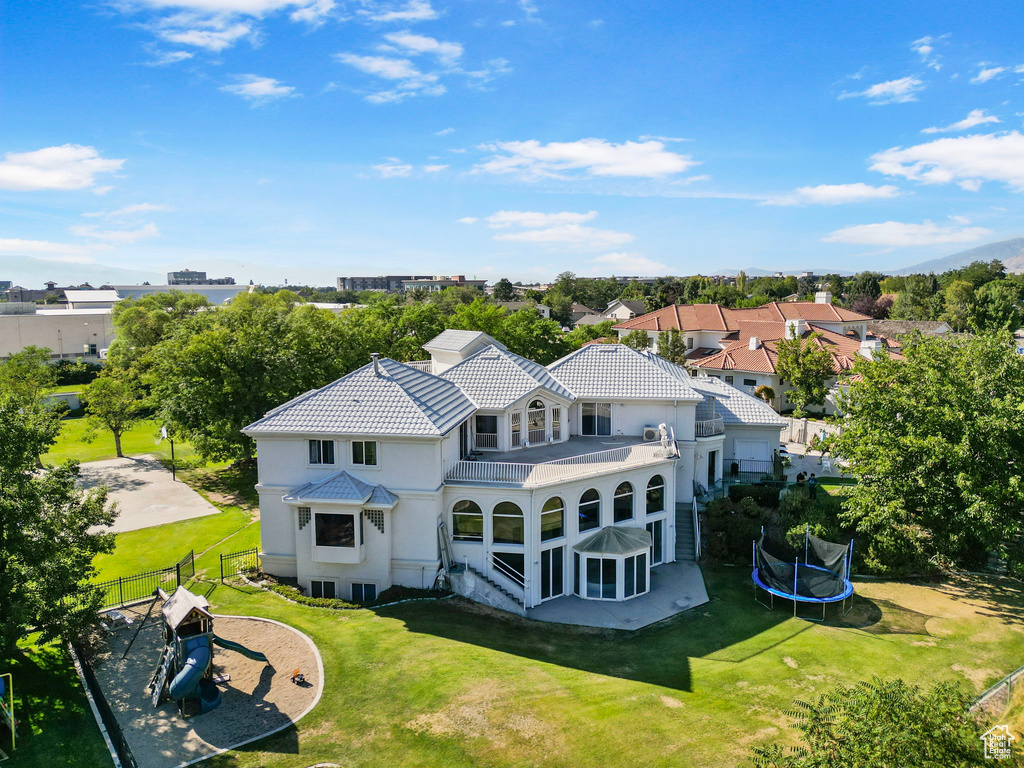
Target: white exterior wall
[630,417]
[532,502]
[65,332]
[767,436]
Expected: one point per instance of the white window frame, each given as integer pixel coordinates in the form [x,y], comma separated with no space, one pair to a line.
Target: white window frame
[363,464]
[320,452]
[324,581]
[363,584]
[357,530]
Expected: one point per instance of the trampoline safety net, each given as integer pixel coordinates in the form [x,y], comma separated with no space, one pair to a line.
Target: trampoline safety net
[825,578]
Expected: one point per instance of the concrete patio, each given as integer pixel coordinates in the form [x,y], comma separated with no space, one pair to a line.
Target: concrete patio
[675,587]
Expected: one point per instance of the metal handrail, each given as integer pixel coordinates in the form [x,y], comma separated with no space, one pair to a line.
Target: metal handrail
[709,427]
[513,576]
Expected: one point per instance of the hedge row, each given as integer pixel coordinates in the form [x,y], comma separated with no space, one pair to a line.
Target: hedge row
[763,495]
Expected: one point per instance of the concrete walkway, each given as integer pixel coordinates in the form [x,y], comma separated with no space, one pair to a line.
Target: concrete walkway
[805,460]
[675,587]
[144,491]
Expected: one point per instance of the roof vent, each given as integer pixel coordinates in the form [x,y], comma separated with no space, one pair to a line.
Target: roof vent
[754,343]
[823,297]
[375,356]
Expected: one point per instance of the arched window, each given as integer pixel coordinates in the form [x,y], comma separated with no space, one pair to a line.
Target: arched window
[590,510]
[656,495]
[467,521]
[535,422]
[508,523]
[623,505]
[552,519]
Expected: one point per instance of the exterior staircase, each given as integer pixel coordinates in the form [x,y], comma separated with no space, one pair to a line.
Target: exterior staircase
[686,545]
[495,585]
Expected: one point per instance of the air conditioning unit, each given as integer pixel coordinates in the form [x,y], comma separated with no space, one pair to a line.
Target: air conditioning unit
[651,434]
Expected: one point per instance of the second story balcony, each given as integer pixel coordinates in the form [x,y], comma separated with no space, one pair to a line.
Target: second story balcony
[575,459]
[709,427]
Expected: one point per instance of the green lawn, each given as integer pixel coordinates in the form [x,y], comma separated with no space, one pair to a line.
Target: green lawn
[68,388]
[443,683]
[72,443]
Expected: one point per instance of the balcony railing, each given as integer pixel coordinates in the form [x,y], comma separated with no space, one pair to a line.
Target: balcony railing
[422,365]
[484,440]
[559,470]
[710,427]
[537,436]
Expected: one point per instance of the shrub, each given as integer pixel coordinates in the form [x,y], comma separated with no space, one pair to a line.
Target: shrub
[763,495]
[75,372]
[390,595]
[729,529]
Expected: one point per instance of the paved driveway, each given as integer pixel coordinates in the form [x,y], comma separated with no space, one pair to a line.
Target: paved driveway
[144,491]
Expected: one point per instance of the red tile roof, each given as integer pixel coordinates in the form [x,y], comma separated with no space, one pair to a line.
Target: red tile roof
[712,317]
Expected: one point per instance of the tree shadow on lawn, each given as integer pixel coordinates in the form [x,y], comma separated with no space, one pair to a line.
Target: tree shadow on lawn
[658,654]
[999,597]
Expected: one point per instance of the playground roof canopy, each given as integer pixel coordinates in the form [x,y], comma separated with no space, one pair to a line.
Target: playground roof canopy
[179,605]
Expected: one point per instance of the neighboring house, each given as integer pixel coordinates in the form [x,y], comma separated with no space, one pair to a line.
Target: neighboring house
[67,333]
[575,478]
[576,311]
[587,320]
[515,306]
[893,331]
[739,345]
[624,310]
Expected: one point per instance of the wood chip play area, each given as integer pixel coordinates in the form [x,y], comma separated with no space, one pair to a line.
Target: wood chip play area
[208,703]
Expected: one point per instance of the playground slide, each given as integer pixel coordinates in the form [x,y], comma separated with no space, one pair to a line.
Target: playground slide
[233,646]
[188,678]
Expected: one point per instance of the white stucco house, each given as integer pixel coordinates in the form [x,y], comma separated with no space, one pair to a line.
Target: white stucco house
[572,479]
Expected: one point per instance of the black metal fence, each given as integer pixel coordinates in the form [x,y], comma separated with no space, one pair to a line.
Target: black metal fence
[246,561]
[124,752]
[126,590]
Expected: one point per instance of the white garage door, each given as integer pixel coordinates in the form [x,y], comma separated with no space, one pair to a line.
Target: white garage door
[757,450]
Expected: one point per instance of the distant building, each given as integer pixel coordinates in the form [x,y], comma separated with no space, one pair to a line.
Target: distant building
[67,333]
[439,283]
[388,283]
[191,277]
[216,293]
[91,299]
[5,285]
[515,306]
[20,293]
[620,310]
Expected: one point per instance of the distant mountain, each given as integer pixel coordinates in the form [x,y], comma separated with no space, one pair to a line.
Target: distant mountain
[1010,252]
[30,272]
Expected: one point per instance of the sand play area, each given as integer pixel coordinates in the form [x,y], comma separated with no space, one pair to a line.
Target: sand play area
[257,700]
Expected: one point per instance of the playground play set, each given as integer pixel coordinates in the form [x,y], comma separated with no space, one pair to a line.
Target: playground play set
[185,672]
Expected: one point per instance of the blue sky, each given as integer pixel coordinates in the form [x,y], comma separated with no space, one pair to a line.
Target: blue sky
[302,140]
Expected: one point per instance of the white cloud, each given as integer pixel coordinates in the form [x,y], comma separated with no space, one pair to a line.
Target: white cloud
[965,160]
[899,234]
[381,66]
[987,73]
[169,57]
[974,117]
[890,92]
[393,169]
[433,168]
[467,220]
[597,157]
[631,262]
[40,248]
[534,220]
[444,131]
[413,10]
[446,53]
[67,167]
[116,236]
[259,90]
[573,236]
[925,48]
[244,7]
[529,8]
[834,194]
[128,210]
[663,139]
[214,40]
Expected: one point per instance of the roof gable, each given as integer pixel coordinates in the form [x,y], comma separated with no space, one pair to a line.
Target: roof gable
[343,486]
[398,400]
[497,378]
[453,340]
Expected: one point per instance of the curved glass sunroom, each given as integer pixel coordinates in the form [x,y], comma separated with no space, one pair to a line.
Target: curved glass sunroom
[613,564]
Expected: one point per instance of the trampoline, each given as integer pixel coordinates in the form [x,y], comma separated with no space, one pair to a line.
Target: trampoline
[822,578]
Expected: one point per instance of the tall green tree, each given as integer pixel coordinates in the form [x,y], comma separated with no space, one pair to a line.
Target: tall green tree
[504,290]
[144,322]
[958,305]
[936,442]
[914,301]
[806,366]
[46,547]
[881,724]
[672,346]
[637,339]
[114,402]
[999,306]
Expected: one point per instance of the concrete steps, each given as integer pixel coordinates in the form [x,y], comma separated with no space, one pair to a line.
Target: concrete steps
[686,545]
[496,586]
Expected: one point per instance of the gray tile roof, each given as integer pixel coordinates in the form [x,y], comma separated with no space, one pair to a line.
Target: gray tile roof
[457,341]
[618,372]
[615,540]
[400,401]
[733,405]
[496,378]
[343,486]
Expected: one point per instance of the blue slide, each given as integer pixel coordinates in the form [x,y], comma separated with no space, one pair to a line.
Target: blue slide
[233,646]
[187,680]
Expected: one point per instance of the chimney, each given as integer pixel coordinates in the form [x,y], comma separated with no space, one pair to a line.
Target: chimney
[868,347]
[795,329]
[375,356]
[823,297]
[754,343]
